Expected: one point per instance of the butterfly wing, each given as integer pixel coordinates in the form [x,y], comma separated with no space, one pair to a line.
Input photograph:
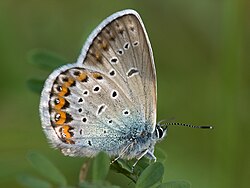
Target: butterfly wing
[125,56]
[92,105]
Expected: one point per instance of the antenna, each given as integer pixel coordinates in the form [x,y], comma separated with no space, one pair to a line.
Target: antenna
[189,125]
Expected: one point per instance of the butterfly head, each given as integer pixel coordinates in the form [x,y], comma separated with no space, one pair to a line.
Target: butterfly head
[160,130]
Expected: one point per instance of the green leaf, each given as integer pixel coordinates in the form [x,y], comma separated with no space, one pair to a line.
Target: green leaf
[45,59]
[100,167]
[160,154]
[94,185]
[124,164]
[150,176]
[175,184]
[35,85]
[30,181]
[46,168]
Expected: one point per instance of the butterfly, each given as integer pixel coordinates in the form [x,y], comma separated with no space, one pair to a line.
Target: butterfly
[106,101]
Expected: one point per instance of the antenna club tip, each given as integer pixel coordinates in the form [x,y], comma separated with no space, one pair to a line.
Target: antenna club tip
[207,127]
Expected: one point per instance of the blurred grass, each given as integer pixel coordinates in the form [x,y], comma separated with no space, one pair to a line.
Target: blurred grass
[201,51]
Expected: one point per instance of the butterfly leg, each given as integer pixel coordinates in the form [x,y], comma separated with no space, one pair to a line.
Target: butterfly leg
[121,154]
[151,156]
[139,158]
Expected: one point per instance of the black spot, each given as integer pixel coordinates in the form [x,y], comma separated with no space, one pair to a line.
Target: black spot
[126,112]
[101,109]
[65,79]
[126,46]
[57,101]
[132,28]
[114,94]
[99,77]
[112,73]
[80,110]
[89,142]
[73,83]
[121,31]
[66,105]
[80,100]
[136,43]
[85,92]
[104,131]
[80,131]
[120,51]
[67,93]
[57,116]
[85,79]
[110,121]
[97,88]
[132,71]
[68,118]
[77,73]
[59,88]
[114,60]
[84,120]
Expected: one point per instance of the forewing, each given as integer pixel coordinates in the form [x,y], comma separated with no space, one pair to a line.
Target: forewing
[121,50]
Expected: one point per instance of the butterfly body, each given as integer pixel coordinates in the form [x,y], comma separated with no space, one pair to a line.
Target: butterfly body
[106,101]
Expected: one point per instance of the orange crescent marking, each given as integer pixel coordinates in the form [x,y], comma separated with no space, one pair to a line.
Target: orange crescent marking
[66,131]
[60,104]
[63,92]
[62,118]
[69,82]
[82,76]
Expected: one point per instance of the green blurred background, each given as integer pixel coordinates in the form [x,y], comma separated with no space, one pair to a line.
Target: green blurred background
[202,53]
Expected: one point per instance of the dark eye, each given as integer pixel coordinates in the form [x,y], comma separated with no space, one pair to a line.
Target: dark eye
[160,131]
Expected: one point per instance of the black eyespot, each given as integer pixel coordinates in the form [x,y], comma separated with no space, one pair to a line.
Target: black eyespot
[57,116]
[65,79]
[114,60]
[57,101]
[120,51]
[136,43]
[89,142]
[80,100]
[84,120]
[85,92]
[110,121]
[76,73]
[114,94]
[104,131]
[79,110]
[132,71]
[99,77]
[126,112]
[126,46]
[59,88]
[112,73]
[97,88]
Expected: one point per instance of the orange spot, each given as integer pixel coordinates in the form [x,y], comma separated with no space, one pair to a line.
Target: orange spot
[104,45]
[62,118]
[60,104]
[82,76]
[65,130]
[63,91]
[69,82]
[97,56]
[97,75]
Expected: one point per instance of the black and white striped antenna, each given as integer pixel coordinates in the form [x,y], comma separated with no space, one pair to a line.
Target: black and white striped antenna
[189,125]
